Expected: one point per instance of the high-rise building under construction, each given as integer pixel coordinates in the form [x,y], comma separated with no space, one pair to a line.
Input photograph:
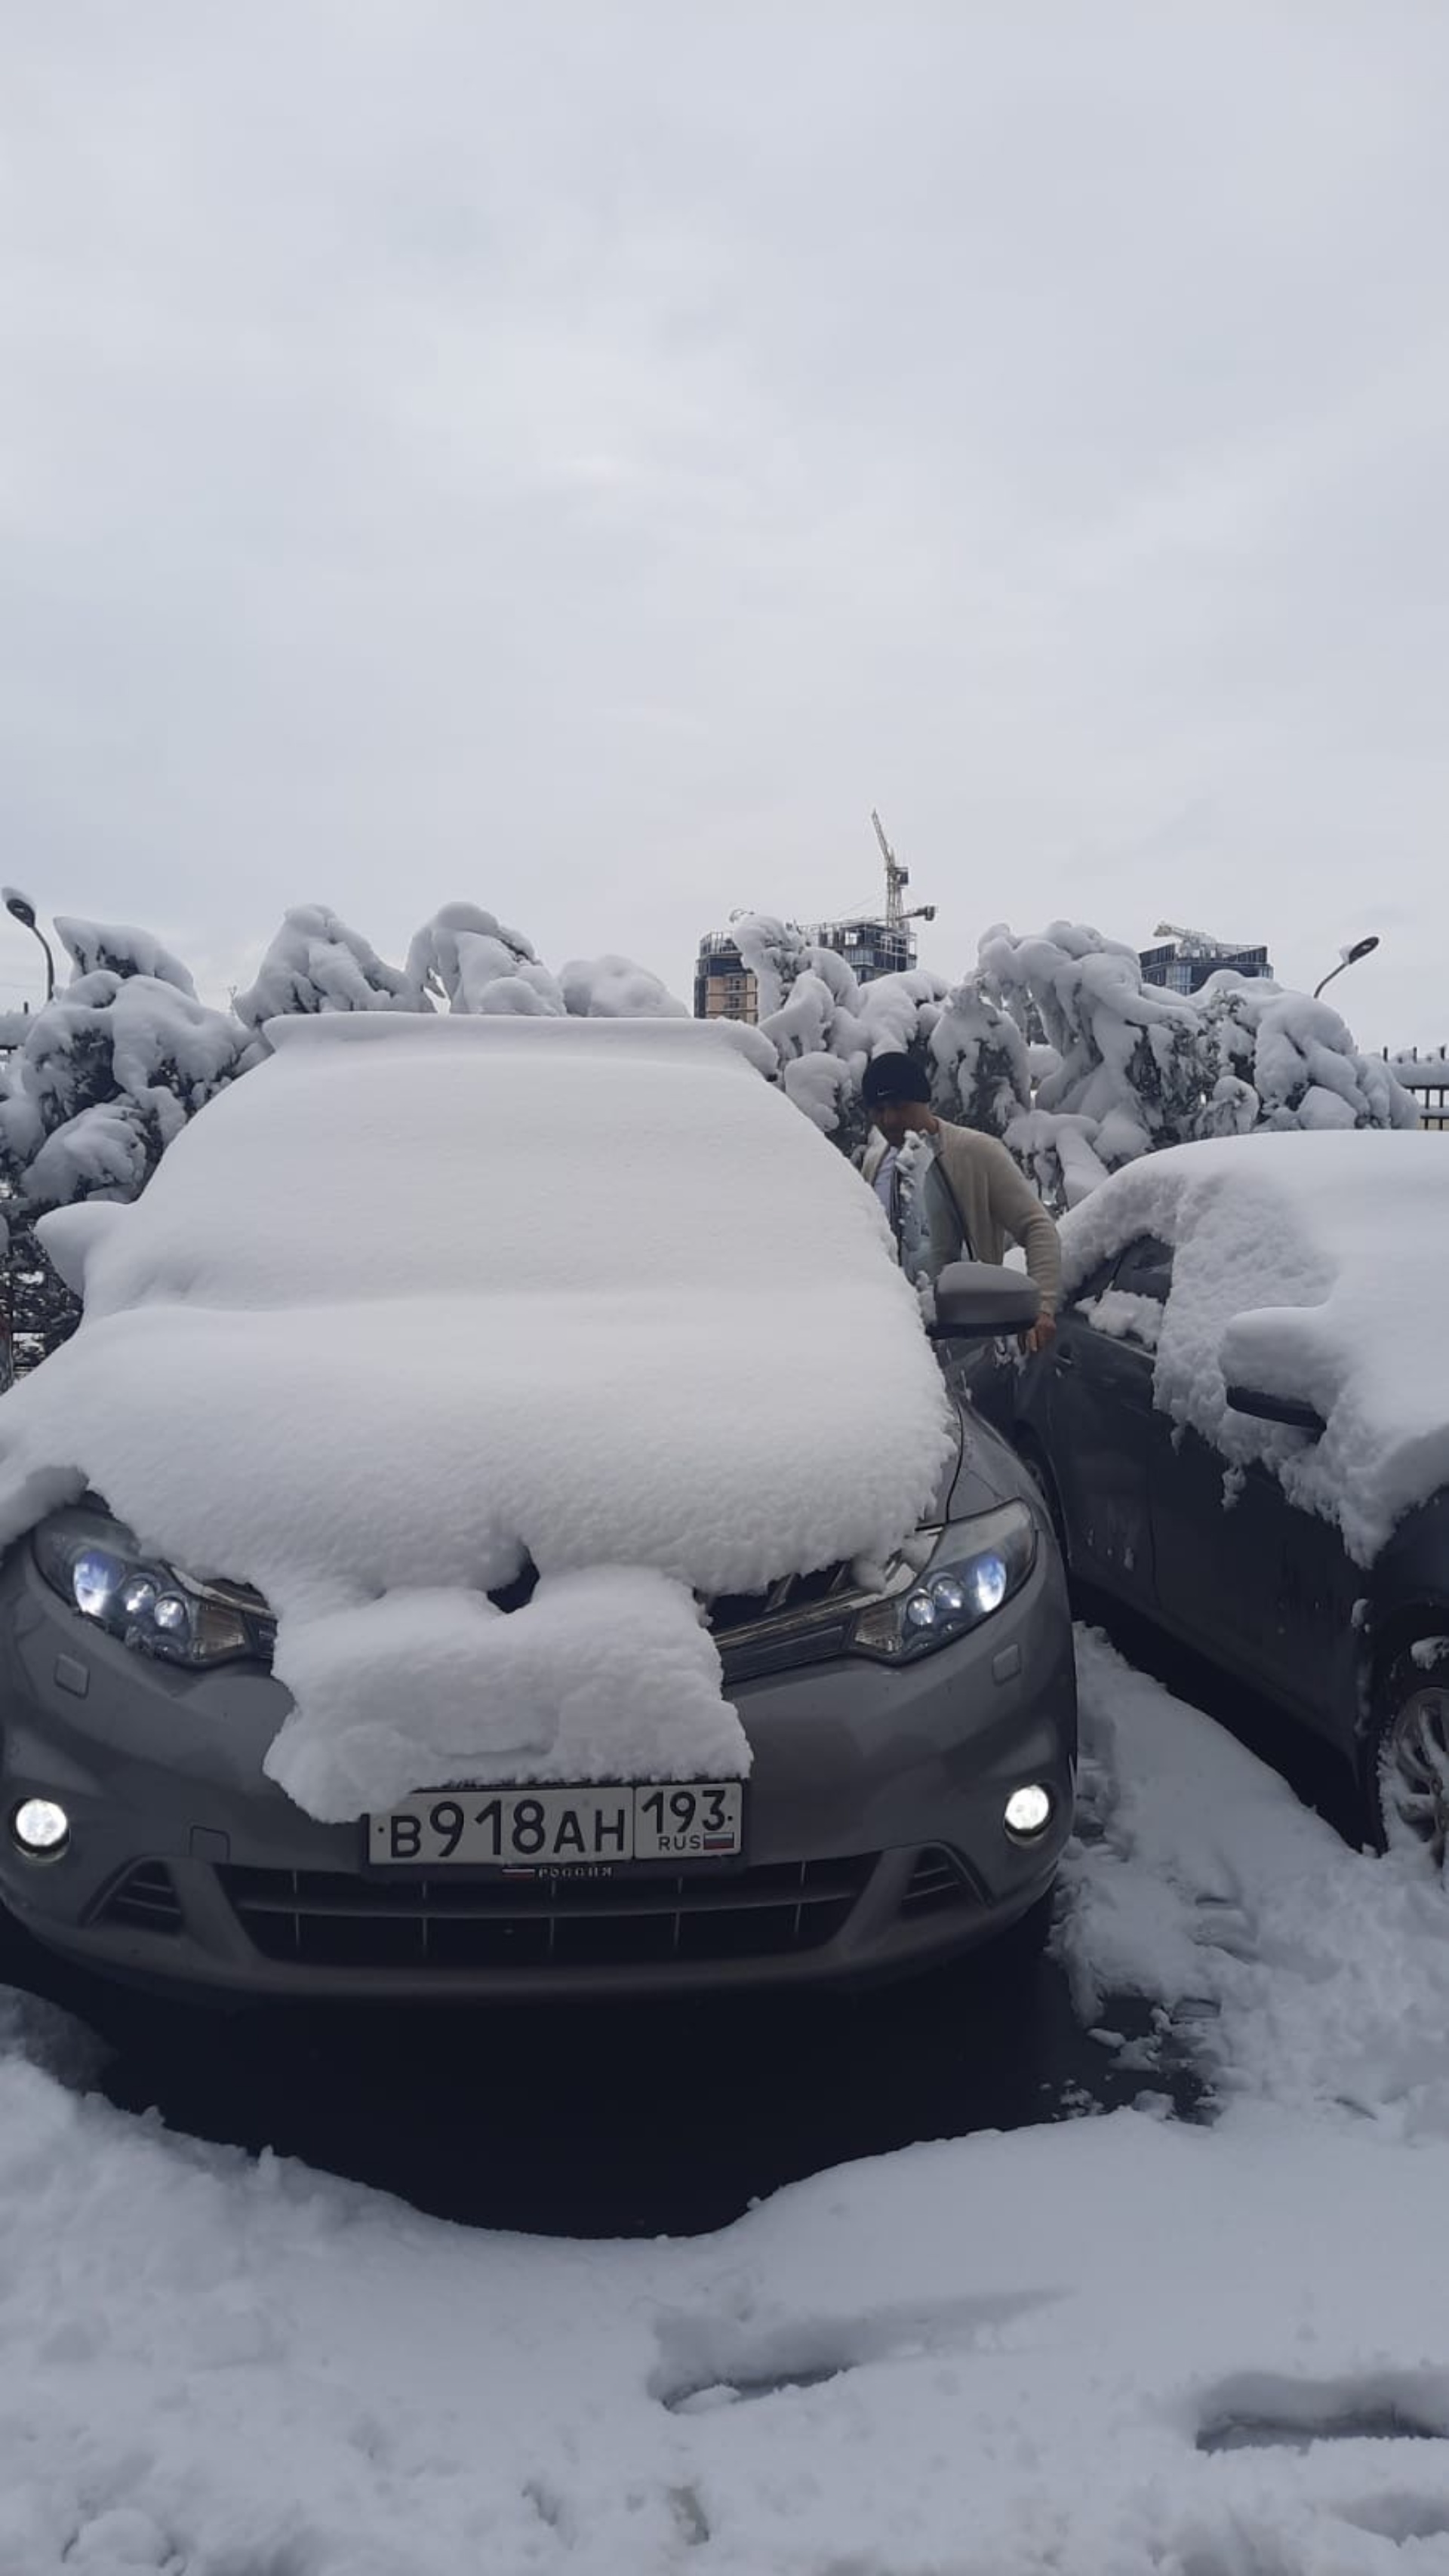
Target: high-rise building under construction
[872,944]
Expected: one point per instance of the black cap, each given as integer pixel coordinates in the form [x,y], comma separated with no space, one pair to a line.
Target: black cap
[893,1077]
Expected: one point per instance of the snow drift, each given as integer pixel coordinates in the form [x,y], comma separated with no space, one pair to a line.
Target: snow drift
[427,1304]
[1306,1265]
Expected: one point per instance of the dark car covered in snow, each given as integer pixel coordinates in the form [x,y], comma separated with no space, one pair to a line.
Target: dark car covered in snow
[1242,1431]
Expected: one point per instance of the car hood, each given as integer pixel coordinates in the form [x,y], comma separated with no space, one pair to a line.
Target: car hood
[983,1475]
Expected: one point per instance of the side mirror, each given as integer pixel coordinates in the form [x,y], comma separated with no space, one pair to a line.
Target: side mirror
[975,1301]
[1287,1409]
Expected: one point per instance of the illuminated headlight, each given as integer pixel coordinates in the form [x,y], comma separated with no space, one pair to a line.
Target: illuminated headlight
[978,1564]
[95,1565]
[41,1828]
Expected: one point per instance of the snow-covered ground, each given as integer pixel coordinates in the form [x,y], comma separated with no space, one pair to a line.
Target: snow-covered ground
[1119,2344]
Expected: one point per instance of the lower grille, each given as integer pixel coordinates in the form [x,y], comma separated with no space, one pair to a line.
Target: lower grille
[937,1881]
[145,1901]
[328,1919]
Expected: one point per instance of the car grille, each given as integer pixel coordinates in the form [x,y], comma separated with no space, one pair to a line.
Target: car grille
[804,1619]
[792,1593]
[328,1919]
[145,1900]
[937,1882]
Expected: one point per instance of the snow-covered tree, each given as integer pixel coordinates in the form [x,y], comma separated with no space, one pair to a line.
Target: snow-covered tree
[775,953]
[825,1025]
[468,959]
[120,950]
[614,988]
[1294,1060]
[317,963]
[40,1311]
[108,1072]
[1056,1045]
[1135,1068]
[1126,1073]
[979,1061]
[1053,1043]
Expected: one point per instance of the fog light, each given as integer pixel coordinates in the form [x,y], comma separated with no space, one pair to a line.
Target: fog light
[1029,1811]
[41,1828]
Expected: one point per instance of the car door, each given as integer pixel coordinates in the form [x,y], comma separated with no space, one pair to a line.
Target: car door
[1249,1579]
[1101,1425]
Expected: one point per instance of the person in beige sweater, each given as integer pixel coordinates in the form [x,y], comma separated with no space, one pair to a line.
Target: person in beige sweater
[974,1199]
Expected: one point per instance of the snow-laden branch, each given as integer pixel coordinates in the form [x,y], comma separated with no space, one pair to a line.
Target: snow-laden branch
[1052,1042]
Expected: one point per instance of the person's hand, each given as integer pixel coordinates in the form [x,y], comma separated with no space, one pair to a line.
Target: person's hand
[1042,1334]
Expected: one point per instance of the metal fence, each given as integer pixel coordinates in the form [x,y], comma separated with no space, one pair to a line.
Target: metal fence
[1427,1076]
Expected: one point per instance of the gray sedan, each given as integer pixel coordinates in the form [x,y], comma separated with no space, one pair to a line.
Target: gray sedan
[911,1791]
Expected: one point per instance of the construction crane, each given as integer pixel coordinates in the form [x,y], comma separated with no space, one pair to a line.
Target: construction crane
[897,879]
[1197,943]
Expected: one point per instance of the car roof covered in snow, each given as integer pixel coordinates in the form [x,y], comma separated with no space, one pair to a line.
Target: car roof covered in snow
[420,1303]
[391,1154]
[1308,1266]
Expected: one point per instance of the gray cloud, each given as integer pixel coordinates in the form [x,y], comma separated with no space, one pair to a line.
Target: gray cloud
[580,458]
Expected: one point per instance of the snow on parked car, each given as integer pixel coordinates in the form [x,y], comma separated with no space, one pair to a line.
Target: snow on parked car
[1243,1427]
[1305,1266]
[422,1303]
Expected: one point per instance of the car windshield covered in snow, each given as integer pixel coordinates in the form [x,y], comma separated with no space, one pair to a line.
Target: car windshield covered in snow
[420,1307]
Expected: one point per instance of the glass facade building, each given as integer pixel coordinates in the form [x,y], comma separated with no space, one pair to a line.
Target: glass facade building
[1177,970]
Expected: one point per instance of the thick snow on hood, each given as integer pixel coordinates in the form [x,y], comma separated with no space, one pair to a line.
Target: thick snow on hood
[1308,1266]
[420,1301]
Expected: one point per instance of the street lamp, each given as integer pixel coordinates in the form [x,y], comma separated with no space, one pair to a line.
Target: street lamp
[1350,957]
[21,909]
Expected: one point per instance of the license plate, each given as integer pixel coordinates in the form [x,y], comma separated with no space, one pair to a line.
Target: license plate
[527,1830]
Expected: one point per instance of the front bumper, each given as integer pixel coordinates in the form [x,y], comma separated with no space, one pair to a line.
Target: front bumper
[875,1834]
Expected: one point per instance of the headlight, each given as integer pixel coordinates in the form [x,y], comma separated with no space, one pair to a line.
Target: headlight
[978,1564]
[95,1565]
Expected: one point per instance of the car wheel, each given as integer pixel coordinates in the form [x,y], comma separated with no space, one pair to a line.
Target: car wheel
[1408,1771]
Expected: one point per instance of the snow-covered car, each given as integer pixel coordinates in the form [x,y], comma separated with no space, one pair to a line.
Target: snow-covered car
[1243,1430]
[500,1528]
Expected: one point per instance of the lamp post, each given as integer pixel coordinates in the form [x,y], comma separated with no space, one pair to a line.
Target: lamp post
[21,909]
[1350,957]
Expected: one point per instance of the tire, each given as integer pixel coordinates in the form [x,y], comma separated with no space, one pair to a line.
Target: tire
[1406,1782]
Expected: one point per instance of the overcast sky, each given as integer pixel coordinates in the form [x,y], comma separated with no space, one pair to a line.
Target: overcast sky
[580,456]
